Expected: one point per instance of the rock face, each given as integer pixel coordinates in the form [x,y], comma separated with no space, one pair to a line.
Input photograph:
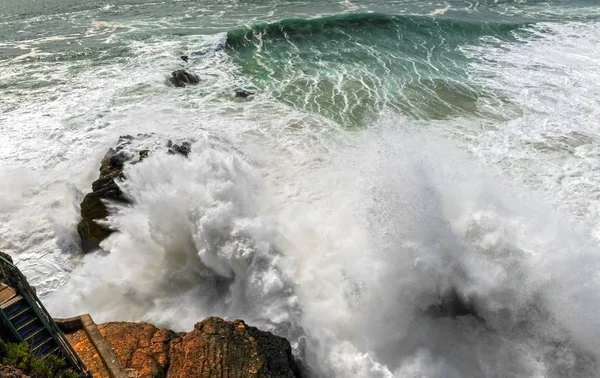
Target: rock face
[11,372]
[93,207]
[105,188]
[182,78]
[7,275]
[215,348]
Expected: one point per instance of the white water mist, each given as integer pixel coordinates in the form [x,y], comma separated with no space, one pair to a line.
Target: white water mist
[346,259]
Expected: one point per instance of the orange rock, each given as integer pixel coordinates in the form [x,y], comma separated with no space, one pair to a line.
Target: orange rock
[140,346]
[214,349]
[88,353]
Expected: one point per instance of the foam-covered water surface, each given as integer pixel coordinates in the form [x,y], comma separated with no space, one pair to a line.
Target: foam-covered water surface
[412,191]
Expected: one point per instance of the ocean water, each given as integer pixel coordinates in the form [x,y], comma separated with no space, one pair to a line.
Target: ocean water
[396,153]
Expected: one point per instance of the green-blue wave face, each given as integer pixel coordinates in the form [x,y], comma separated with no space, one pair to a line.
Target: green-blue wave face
[350,67]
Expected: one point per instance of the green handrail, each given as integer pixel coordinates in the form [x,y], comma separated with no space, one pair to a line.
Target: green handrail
[28,293]
[8,323]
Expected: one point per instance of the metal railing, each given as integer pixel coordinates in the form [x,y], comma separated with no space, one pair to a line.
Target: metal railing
[29,294]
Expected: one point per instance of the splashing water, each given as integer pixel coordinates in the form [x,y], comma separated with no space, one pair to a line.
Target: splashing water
[393,160]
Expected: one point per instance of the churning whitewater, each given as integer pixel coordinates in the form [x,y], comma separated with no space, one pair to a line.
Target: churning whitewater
[412,190]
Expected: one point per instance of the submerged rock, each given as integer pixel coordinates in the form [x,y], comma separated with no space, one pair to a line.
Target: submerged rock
[242,93]
[214,348]
[183,149]
[452,305]
[182,78]
[185,58]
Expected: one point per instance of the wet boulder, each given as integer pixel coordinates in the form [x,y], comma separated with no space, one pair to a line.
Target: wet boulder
[182,78]
[105,188]
[242,93]
[183,149]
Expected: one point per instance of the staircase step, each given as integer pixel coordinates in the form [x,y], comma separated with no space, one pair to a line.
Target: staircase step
[14,305]
[41,342]
[43,346]
[23,319]
[49,352]
[36,336]
[6,293]
[31,326]
[19,313]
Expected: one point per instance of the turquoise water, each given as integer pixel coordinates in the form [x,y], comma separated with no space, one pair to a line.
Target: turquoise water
[394,153]
[345,61]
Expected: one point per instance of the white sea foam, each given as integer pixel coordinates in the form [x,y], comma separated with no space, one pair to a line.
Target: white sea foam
[349,256]
[339,243]
[554,146]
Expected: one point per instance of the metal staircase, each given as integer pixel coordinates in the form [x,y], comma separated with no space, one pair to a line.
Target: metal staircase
[23,318]
[29,327]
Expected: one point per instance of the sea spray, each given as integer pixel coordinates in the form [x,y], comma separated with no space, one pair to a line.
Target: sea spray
[438,223]
[313,223]
[348,266]
[195,242]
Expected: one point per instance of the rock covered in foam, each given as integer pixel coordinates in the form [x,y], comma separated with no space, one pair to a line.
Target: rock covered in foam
[182,149]
[214,348]
[182,78]
[106,189]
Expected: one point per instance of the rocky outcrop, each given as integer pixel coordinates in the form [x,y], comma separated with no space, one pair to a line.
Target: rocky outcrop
[182,149]
[6,256]
[11,372]
[8,274]
[182,78]
[105,188]
[242,93]
[214,348]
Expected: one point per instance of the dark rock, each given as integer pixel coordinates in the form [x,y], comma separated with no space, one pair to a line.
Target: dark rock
[183,149]
[93,207]
[242,93]
[7,257]
[184,58]
[452,305]
[144,154]
[106,188]
[7,274]
[181,78]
